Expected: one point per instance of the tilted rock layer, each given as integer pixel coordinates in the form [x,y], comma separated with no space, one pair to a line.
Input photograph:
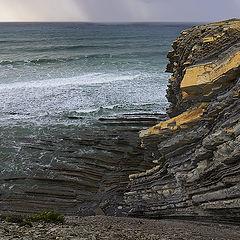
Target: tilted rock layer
[197,151]
[92,172]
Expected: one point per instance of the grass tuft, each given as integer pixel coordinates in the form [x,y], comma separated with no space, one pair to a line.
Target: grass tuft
[53,217]
[19,220]
[48,217]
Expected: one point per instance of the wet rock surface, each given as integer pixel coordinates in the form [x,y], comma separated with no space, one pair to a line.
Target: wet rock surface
[197,151]
[102,227]
[90,173]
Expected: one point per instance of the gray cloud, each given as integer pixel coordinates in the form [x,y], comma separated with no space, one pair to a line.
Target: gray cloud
[118,10]
[41,10]
[160,10]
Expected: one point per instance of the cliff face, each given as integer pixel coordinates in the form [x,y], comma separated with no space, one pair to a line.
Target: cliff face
[197,151]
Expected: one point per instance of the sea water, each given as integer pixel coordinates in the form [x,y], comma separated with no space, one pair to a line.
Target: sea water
[56,78]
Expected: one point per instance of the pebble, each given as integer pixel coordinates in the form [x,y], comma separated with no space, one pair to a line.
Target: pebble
[112,228]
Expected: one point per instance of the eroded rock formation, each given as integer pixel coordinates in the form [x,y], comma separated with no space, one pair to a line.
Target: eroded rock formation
[196,152]
[88,173]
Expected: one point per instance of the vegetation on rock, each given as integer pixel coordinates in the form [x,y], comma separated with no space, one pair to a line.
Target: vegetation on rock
[19,220]
[48,217]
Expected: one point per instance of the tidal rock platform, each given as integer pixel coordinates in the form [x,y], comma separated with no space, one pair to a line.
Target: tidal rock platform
[88,174]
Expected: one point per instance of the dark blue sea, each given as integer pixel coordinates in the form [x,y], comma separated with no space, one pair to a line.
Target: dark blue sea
[50,71]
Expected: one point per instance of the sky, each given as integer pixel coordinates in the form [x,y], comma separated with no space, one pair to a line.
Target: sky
[118,10]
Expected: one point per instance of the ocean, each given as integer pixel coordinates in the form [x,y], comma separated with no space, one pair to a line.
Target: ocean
[56,78]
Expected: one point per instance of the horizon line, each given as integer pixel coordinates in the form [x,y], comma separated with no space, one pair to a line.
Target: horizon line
[103,22]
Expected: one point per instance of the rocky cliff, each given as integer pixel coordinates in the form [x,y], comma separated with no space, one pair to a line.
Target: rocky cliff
[197,151]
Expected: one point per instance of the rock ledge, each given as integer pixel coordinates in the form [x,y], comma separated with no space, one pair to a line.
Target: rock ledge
[197,151]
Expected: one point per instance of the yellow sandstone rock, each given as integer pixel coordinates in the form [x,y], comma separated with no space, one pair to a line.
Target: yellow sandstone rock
[187,63]
[208,39]
[212,38]
[184,94]
[172,79]
[209,73]
[181,121]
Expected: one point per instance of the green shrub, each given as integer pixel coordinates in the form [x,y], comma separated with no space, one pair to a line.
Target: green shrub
[25,223]
[51,216]
[48,217]
[14,219]
[19,220]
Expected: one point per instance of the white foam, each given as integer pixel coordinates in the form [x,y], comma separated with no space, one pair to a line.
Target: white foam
[84,79]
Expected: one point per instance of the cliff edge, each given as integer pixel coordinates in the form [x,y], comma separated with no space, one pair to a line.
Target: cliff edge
[196,151]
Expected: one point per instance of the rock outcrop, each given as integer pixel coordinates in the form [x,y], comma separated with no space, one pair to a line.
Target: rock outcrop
[88,173]
[197,152]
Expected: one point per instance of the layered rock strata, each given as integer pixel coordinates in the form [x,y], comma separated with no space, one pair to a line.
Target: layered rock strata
[197,152]
[88,173]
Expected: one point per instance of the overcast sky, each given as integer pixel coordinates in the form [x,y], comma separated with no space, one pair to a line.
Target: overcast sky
[119,10]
